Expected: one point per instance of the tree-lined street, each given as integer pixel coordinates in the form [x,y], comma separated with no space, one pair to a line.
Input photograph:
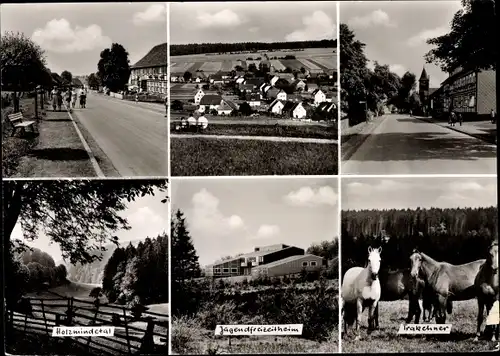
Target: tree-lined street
[400,144]
[133,136]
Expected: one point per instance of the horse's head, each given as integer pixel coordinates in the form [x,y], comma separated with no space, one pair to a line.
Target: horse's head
[493,256]
[416,262]
[374,261]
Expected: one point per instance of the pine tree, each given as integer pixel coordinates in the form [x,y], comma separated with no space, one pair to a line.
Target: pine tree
[109,274]
[184,258]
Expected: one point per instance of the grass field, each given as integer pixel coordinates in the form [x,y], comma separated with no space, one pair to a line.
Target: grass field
[223,157]
[312,59]
[260,129]
[463,320]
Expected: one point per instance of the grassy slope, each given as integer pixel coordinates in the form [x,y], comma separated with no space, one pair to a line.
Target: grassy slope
[215,157]
[463,320]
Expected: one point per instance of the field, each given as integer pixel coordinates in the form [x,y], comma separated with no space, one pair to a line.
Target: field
[391,315]
[314,59]
[223,157]
[313,305]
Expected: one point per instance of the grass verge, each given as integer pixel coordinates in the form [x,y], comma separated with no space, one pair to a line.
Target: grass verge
[223,157]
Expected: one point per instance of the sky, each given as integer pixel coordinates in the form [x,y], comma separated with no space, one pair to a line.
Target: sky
[395,33]
[403,193]
[230,22]
[231,216]
[73,35]
[147,217]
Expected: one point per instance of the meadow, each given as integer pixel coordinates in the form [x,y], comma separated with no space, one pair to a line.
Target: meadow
[196,156]
[315,306]
[315,60]
[391,316]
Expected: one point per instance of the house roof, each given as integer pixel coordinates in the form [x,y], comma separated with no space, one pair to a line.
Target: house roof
[217,76]
[286,260]
[247,86]
[231,104]
[210,99]
[252,97]
[156,57]
[251,254]
[77,82]
[316,91]
[326,106]
[254,81]
[276,101]
[432,90]
[273,92]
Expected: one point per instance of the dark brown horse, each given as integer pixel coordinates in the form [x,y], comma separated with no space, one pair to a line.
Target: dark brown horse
[398,284]
[448,282]
[486,283]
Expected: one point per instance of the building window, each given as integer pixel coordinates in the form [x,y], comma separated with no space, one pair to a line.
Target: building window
[216,270]
[305,264]
[226,270]
[261,258]
[234,270]
[313,264]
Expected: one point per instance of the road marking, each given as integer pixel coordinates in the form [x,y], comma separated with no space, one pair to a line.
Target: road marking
[95,165]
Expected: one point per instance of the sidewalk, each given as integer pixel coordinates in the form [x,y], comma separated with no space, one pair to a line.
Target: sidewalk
[59,152]
[353,137]
[483,130]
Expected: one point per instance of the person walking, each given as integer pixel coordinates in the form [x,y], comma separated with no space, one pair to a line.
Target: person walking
[83,98]
[166,106]
[53,98]
[59,99]
[460,118]
[67,98]
[74,96]
[493,118]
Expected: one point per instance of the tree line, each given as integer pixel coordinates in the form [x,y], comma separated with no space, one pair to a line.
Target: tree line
[224,48]
[138,275]
[457,235]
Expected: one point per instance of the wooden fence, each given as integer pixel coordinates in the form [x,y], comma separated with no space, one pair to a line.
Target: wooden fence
[133,335]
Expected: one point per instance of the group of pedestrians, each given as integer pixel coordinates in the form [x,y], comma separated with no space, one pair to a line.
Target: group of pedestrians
[70,97]
[454,117]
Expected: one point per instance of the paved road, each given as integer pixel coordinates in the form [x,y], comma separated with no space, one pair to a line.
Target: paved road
[132,135]
[258,138]
[405,145]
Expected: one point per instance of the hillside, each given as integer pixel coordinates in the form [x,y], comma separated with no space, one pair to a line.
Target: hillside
[93,273]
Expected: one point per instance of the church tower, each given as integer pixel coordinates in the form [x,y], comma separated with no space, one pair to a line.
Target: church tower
[423,86]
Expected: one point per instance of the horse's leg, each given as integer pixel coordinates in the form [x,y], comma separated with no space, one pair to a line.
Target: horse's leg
[359,312]
[480,317]
[377,326]
[411,310]
[491,328]
[418,309]
[372,312]
[442,302]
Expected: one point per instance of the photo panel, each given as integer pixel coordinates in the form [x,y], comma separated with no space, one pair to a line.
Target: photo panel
[419,253]
[418,84]
[252,93]
[86,267]
[254,266]
[84,89]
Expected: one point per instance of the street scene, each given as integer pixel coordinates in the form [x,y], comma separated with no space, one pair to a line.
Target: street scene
[252,94]
[410,104]
[84,93]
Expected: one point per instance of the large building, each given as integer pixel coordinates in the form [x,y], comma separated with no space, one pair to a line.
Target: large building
[424,91]
[469,92]
[150,73]
[272,260]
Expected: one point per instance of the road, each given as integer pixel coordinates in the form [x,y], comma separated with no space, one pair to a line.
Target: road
[132,136]
[405,145]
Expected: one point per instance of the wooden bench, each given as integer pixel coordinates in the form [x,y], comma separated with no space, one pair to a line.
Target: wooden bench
[18,122]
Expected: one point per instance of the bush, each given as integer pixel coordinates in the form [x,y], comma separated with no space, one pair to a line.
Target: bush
[214,314]
[183,336]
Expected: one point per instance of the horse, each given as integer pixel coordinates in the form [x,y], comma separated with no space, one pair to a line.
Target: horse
[486,284]
[448,282]
[398,284]
[361,289]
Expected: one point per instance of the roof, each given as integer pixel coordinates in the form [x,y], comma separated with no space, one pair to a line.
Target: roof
[247,86]
[252,97]
[286,260]
[156,57]
[210,99]
[424,75]
[250,254]
[273,92]
[432,90]
[77,82]
[216,76]
[326,106]
[276,101]
[254,81]
[230,104]
[316,91]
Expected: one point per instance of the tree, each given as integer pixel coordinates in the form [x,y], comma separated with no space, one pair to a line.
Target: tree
[245,109]
[184,258]
[93,81]
[77,215]
[408,85]
[187,76]
[472,41]
[238,68]
[252,67]
[110,270]
[302,70]
[114,67]
[288,70]
[177,105]
[67,76]
[22,64]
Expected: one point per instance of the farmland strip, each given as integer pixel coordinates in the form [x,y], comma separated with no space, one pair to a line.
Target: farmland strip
[276,63]
[308,64]
[292,63]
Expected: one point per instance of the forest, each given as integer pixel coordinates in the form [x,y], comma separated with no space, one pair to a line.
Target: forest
[457,235]
[223,48]
[138,275]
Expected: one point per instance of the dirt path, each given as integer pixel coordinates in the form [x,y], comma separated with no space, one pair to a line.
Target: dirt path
[259,138]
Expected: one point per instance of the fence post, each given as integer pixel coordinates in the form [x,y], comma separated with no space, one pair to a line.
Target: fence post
[147,344]
[44,317]
[126,330]
[93,323]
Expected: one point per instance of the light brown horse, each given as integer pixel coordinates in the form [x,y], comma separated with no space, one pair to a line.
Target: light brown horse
[486,284]
[448,282]
[361,289]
